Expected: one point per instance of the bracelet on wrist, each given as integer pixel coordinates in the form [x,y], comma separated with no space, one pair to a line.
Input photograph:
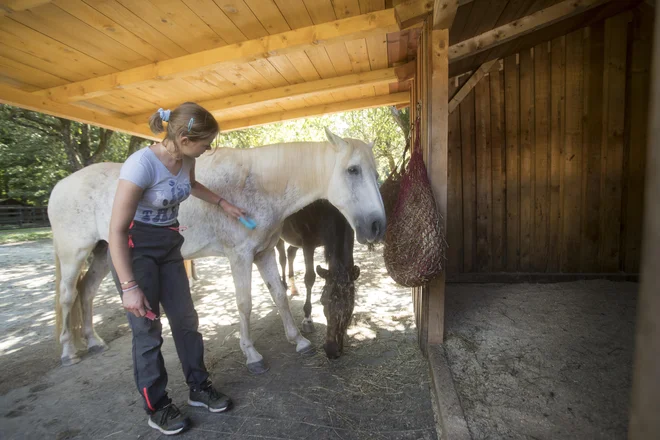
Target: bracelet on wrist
[130,288]
[127,282]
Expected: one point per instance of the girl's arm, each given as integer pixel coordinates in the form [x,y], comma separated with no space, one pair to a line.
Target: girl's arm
[123,210]
[201,192]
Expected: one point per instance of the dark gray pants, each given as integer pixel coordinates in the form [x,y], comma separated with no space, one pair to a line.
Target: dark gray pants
[160,273]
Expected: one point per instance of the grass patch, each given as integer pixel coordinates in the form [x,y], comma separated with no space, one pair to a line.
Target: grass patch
[16,235]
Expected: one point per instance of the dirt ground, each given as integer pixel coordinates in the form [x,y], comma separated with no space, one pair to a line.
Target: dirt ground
[379,389]
[542,361]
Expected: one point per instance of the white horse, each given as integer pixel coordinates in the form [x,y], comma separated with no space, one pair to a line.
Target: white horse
[270,183]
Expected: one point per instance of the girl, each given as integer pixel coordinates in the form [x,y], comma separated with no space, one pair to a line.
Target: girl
[145,248]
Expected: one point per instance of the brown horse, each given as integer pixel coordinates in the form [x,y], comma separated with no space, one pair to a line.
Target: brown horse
[321,224]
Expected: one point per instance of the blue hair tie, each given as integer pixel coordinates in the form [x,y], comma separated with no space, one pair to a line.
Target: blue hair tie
[164,114]
[190,124]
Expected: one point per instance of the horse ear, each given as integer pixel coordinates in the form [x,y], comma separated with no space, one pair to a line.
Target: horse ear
[355,273]
[323,273]
[335,140]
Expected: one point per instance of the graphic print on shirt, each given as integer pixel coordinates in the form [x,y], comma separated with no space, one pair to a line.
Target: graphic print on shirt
[169,202]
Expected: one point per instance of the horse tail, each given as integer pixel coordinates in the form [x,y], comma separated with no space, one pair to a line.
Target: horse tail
[76,313]
[58,309]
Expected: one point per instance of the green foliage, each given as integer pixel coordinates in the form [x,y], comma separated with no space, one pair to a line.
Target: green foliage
[38,150]
[17,235]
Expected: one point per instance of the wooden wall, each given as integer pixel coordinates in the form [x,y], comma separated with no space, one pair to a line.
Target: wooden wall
[547,155]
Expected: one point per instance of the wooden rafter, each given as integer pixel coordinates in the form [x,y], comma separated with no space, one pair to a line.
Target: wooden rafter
[305,112]
[29,101]
[306,89]
[361,26]
[522,26]
[469,85]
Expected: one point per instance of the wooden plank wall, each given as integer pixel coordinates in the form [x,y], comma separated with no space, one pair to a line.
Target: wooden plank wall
[546,159]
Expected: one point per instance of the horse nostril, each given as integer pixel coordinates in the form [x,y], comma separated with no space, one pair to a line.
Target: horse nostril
[375,228]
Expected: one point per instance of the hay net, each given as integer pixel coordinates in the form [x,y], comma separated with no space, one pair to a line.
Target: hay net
[415,244]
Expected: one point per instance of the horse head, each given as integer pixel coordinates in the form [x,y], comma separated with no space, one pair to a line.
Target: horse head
[353,188]
[338,299]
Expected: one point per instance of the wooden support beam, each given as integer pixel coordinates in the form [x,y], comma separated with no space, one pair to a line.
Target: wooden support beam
[361,26]
[437,153]
[437,160]
[522,26]
[305,112]
[469,85]
[444,13]
[644,422]
[18,98]
[413,12]
[307,89]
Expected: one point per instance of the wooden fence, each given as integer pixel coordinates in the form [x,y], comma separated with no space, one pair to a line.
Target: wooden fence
[12,217]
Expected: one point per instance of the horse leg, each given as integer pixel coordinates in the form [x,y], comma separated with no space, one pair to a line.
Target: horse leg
[68,306]
[291,255]
[241,271]
[88,286]
[267,266]
[282,254]
[310,278]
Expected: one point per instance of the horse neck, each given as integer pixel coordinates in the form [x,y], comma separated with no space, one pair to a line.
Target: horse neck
[293,175]
[338,240]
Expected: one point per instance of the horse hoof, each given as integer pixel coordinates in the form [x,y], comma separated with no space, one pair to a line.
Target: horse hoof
[257,368]
[308,327]
[97,349]
[308,351]
[67,361]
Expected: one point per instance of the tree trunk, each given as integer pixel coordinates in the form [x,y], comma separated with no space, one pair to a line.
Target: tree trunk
[135,144]
[68,142]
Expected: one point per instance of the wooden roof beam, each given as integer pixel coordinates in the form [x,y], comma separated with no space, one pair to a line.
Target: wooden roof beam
[373,23]
[306,112]
[522,26]
[29,101]
[469,84]
[306,89]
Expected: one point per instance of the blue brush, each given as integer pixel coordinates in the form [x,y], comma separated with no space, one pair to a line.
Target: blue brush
[248,222]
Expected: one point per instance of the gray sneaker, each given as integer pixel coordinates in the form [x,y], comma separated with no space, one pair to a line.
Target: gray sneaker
[169,420]
[208,397]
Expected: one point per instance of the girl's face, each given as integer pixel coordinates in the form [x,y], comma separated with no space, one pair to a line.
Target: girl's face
[195,148]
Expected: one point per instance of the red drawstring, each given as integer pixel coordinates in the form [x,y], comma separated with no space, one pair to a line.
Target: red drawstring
[130,237]
[179,228]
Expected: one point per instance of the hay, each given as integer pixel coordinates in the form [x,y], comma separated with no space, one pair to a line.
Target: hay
[415,243]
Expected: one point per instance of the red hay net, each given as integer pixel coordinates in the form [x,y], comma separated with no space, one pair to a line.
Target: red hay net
[414,240]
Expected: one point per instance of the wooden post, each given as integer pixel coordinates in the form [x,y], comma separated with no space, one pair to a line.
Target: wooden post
[437,161]
[644,420]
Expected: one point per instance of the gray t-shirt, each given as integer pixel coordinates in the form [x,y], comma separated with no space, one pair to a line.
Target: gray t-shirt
[163,191]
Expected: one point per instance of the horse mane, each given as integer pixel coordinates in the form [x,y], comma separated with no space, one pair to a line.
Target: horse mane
[274,166]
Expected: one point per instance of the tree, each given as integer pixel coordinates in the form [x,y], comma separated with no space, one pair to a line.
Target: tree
[38,150]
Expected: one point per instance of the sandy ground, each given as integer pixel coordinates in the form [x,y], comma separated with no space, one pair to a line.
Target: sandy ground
[543,361]
[379,389]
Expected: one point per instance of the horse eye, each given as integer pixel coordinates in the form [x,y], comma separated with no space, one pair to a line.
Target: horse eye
[355,170]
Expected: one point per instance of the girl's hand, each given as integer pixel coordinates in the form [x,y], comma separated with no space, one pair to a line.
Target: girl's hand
[135,302]
[231,209]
